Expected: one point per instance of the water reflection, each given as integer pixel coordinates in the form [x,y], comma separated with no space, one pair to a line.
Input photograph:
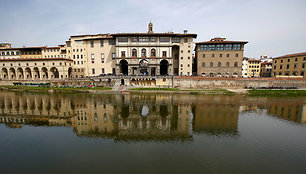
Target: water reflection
[142,117]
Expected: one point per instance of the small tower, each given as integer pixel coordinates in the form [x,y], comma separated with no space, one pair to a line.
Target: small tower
[150,28]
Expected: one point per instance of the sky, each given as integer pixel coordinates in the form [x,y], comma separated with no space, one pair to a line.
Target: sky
[272,27]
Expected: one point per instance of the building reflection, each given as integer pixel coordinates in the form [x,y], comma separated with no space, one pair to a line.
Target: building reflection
[138,117]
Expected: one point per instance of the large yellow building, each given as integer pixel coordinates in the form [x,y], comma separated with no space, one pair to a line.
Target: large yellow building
[293,65]
[253,68]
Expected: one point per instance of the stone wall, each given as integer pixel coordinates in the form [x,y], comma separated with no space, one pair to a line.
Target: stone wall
[236,83]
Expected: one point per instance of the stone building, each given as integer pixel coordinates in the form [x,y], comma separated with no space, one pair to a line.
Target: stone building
[265,69]
[32,63]
[154,53]
[219,57]
[290,65]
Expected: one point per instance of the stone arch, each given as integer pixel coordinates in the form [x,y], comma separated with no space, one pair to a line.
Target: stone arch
[44,72]
[69,72]
[4,73]
[124,67]
[143,52]
[20,74]
[36,73]
[28,73]
[54,72]
[12,73]
[164,67]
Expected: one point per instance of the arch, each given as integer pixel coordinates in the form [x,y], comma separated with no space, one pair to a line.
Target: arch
[143,65]
[4,73]
[20,74]
[36,73]
[69,72]
[164,67]
[203,64]
[219,64]
[134,52]
[227,64]
[235,64]
[153,52]
[124,67]
[143,52]
[211,74]
[44,73]
[219,74]
[12,73]
[54,72]
[28,73]
[211,64]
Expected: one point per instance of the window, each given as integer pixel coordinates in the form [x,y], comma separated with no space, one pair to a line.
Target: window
[282,61]
[296,59]
[294,73]
[144,39]
[302,73]
[281,67]
[203,55]
[236,55]
[212,47]
[304,58]
[112,42]
[188,51]
[182,51]
[220,55]
[288,66]
[113,55]
[134,52]
[92,58]
[303,65]
[153,52]
[211,64]
[73,56]
[101,44]
[280,73]
[295,66]
[164,39]
[164,53]
[122,39]
[185,40]
[237,46]
[103,71]
[102,57]
[275,61]
[152,39]
[122,53]
[228,46]
[213,55]
[227,55]
[227,64]
[93,71]
[286,73]
[81,56]
[91,44]
[143,52]
[219,64]
[274,66]
[203,47]
[203,64]
[288,60]
[12,53]
[235,64]
[134,39]
[175,40]
[220,47]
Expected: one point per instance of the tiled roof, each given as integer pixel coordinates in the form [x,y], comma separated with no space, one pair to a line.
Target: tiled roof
[38,59]
[154,34]
[291,55]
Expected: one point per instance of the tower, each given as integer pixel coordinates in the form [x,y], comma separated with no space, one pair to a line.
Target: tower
[150,28]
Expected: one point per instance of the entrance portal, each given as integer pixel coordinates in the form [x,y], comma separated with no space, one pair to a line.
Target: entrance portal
[124,67]
[164,67]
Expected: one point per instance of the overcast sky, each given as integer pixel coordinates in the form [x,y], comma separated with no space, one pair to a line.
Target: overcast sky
[272,27]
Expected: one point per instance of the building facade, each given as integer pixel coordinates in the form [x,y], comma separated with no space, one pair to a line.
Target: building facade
[290,65]
[219,58]
[253,68]
[265,69]
[245,62]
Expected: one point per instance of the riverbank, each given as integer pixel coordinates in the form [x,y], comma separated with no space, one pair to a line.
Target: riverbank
[108,90]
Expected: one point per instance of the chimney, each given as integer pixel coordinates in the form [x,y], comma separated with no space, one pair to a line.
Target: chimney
[185,31]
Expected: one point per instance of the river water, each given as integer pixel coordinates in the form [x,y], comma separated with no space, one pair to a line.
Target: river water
[146,133]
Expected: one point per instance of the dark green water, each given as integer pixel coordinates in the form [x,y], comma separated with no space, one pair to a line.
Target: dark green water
[42,133]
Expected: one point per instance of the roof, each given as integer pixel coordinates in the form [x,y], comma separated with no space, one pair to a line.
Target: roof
[254,60]
[39,59]
[222,42]
[154,34]
[89,35]
[291,55]
[96,38]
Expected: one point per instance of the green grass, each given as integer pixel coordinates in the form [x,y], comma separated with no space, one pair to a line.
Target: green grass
[277,92]
[55,88]
[154,89]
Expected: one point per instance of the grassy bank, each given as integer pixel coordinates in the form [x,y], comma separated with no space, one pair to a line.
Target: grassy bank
[277,92]
[155,89]
[60,89]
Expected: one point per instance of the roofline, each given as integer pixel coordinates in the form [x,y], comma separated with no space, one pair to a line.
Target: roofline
[220,42]
[40,59]
[154,34]
[84,35]
[291,55]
